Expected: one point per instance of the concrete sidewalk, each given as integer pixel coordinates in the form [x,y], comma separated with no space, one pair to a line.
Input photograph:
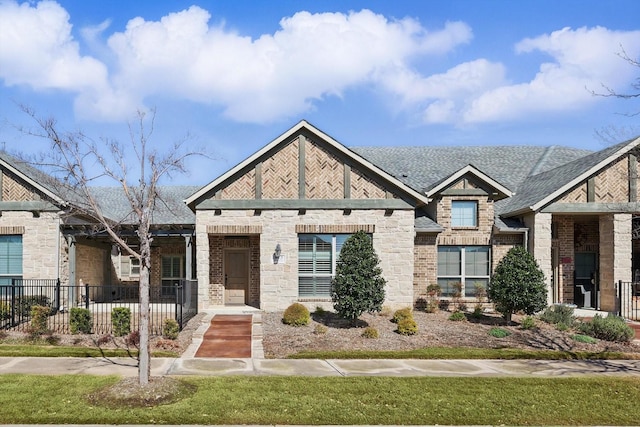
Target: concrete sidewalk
[314,367]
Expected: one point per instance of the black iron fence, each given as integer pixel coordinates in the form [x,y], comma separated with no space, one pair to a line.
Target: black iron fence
[178,301]
[628,299]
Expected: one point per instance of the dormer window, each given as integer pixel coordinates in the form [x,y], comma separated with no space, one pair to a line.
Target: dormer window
[464,213]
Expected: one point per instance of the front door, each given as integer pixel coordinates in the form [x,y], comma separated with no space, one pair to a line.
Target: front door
[585,280]
[236,276]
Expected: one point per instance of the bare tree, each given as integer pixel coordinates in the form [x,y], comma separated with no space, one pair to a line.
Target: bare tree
[78,161]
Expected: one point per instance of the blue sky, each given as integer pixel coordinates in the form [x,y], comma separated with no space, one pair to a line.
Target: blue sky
[234,75]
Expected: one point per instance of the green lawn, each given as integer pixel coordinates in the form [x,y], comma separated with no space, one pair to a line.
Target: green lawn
[465,353]
[336,400]
[32,350]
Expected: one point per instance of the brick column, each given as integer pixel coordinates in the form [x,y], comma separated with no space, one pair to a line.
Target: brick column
[615,256]
[541,248]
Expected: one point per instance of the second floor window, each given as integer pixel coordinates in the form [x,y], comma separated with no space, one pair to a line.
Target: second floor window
[464,213]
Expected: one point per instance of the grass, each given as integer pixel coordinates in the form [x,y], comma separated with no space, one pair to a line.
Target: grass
[335,400]
[465,353]
[31,350]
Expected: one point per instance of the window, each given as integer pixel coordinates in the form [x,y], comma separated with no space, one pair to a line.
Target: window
[464,213]
[134,266]
[467,265]
[10,258]
[172,273]
[317,255]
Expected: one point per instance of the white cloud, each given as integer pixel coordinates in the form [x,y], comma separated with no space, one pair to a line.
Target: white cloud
[37,49]
[309,57]
[582,60]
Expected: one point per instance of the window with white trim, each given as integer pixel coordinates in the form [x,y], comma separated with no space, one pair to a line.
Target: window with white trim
[317,255]
[464,213]
[172,272]
[467,265]
[134,266]
[10,258]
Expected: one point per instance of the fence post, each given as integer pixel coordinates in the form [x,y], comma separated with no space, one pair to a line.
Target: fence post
[179,304]
[57,296]
[86,297]
[13,302]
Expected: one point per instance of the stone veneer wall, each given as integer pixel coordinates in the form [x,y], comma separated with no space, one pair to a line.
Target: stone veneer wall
[41,244]
[615,256]
[393,241]
[539,225]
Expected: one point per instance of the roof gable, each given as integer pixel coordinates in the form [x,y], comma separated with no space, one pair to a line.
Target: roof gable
[320,168]
[469,170]
[541,189]
[31,177]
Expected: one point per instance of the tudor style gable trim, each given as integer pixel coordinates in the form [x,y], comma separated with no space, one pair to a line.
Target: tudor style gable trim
[255,170]
[585,175]
[472,170]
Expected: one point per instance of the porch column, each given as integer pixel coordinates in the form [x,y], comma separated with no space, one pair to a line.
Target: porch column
[540,247]
[202,260]
[71,241]
[615,257]
[188,268]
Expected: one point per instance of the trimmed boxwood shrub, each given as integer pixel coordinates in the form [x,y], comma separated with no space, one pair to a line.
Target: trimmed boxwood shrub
[407,327]
[25,303]
[170,329]
[370,332]
[296,315]
[39,316]
[80,320]
[401,314]
[121,321]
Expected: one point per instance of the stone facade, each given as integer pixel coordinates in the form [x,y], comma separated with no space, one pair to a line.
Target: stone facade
[278,283]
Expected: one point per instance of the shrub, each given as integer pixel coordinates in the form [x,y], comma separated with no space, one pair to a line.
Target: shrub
[456,298]
[170,329]
[407,326]
[5,311]
[401,314]
[518,284]
[321,312]
[443,304]
[610,328]
[421,304]
[121,321]
[358,286]
[296,315]
[499,333]
[559,315]
[370,332]
[320,329]
[39,316]
[133,339]
[477,312]
[528,323]
[584,339]
[80,320]
[457,316]
[24,304]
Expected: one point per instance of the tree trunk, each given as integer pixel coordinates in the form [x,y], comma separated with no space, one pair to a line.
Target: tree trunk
[144,363]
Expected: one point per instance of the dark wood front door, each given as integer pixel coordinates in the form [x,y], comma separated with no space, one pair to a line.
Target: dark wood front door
[236,276]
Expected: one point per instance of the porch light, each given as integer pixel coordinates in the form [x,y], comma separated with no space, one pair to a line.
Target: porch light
[277,253]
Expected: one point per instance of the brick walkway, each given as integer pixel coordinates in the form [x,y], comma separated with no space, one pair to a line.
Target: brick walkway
[229,335]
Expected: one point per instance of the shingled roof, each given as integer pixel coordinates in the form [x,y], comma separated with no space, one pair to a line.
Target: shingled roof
[535,189]
[422,168]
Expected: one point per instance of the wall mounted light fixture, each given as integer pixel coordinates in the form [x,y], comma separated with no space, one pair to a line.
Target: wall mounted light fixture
[277,253]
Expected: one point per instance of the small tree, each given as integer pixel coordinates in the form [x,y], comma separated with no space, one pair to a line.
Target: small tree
[358,286]
[518,284]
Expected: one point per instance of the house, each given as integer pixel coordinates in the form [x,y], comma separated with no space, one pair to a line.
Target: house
[267,232]
[44,236]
